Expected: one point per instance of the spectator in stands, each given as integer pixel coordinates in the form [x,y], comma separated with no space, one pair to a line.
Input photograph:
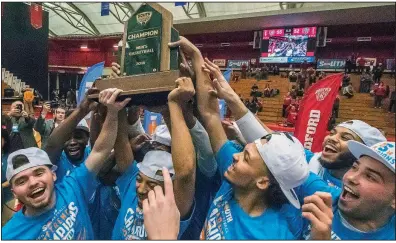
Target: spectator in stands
[301,80]
[361,63]
[267,91]
[293,77]
[253,90]
[253,106]
[20,127]
[291,116]
[244,68]
[392,100]
[353,61]
[311,76]
[377,73]
[276,70]
[365,82]
[346,80]
[304,67]
[379,95]
[336,106]
[46,126]
[286,102]
[71,100]
[321,75]
[300,92]
[371,67]
[348,65]
[247,103]
[348,91]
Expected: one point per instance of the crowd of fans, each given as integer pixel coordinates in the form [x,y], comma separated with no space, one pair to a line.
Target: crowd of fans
[197,177]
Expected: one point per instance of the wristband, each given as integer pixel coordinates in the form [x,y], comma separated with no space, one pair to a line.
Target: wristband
[250,128]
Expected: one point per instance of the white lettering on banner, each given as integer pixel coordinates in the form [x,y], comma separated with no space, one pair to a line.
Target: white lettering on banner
[134,53]
[143,34]
[313,121]
[65,231]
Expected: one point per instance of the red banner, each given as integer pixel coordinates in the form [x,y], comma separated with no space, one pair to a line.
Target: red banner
[315,112]
[36,16]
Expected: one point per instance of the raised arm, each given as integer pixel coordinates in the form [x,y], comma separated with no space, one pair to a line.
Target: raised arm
[183,153]
[208,105]
[40,125]
[122,149]
[63,132]
[107,136]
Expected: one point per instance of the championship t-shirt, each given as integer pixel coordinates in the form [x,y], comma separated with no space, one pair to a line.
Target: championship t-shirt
[65,166]
[317,168]
[130,223]
[67,220]
[226,220]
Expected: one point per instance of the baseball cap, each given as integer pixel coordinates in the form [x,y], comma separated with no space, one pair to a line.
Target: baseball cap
[369,134]
[384,152]
[285,157]
[152,164]
[83,125]
[162,135]
[35,157]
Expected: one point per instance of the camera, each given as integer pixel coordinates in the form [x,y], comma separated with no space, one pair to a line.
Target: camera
[19,107]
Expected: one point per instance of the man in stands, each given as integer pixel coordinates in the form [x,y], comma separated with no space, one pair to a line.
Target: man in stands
[19,125]
[379,94]
[60,211]
[286,102]
[291,116]
[45,127]
[348,91]
[365,209]
[361,63]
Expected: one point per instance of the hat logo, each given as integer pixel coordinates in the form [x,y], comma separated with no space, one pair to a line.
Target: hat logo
[322,93]
[144,17]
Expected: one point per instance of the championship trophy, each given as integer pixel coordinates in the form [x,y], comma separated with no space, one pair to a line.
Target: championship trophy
[149,66]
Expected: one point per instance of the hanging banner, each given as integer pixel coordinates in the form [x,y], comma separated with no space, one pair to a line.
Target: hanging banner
[315,112]
[36,16]
[151,121]
[105,9]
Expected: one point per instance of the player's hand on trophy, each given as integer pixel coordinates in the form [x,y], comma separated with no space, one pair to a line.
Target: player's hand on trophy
[116,70]
[183,92]
[108,98]
[186,47]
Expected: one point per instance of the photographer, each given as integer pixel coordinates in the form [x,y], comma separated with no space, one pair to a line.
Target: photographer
[45,127]
[19,125]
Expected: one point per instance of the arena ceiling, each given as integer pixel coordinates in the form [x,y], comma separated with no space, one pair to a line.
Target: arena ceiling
[70,19]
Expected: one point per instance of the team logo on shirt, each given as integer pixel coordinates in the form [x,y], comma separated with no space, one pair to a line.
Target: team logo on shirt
[133,228]
[62,226]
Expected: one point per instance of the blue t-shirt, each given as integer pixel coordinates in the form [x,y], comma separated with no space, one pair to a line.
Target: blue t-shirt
[6,194]
[226,220]
[67,220]
[104,203]
[321,171]
[65,167]
[130,223]
[342,230]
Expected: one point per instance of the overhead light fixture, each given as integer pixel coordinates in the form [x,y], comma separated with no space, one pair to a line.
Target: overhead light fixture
[84,47]
[115,46]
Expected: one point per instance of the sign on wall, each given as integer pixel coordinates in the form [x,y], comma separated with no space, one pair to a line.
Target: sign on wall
[330,64]
[219,62]
[237,63]
[368,60]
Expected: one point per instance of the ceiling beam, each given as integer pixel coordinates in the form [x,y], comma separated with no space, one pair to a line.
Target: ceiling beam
[93,27]
[201,10]
[71,23]
[129,6]
[52,33]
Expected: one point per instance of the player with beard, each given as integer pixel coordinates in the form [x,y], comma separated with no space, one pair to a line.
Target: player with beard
[58,211]
[335,159]
[365,209]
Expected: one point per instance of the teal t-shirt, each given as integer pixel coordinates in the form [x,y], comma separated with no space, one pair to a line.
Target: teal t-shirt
[67,220]
[130,222]
[226,220]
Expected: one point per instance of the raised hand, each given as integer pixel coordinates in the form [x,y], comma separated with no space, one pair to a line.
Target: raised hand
[116,73]
[318,210]
[138,141]
[183,92]
[186,47]
[87,104]
[221,87]
[161,216]
[108,98]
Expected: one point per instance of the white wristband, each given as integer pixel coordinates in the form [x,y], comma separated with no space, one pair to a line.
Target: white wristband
[250,128]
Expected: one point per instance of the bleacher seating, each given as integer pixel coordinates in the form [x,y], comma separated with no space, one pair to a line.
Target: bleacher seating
[359,107]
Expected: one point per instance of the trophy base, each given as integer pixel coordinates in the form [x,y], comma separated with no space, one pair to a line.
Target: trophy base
[146,89]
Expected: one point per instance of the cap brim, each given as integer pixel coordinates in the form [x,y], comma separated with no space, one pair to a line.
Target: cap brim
[292,197]
[359,149]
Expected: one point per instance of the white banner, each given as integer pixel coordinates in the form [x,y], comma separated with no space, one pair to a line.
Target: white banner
[219,62]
